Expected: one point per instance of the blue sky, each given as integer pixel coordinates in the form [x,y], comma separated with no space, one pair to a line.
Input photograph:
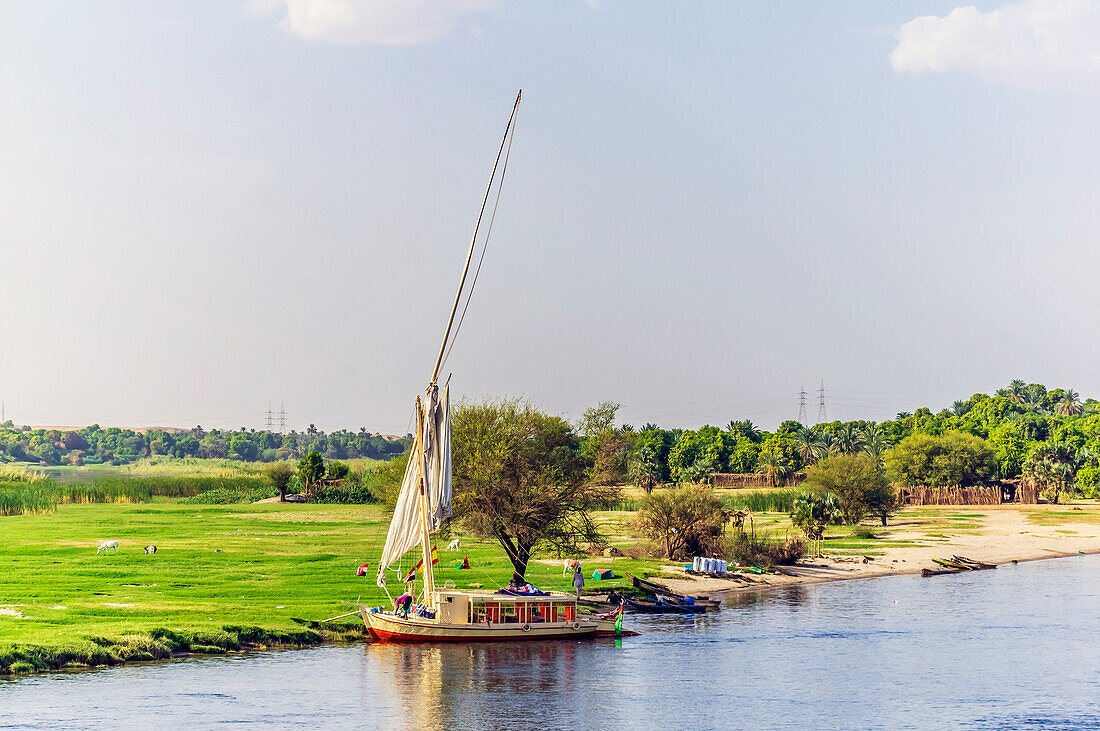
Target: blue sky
[210,206]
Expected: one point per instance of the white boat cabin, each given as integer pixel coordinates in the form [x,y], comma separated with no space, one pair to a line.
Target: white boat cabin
[455,607]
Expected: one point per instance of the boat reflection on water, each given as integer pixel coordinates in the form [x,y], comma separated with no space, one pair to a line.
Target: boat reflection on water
[434,686]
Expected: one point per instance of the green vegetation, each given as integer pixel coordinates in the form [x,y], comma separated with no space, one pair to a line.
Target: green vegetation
[93,445]
[519,478]
[687,520]
[859,484]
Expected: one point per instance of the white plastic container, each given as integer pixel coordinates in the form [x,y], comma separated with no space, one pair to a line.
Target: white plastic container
[697,563]
[722,566]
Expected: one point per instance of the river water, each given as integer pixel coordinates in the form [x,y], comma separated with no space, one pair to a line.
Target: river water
[1018,647]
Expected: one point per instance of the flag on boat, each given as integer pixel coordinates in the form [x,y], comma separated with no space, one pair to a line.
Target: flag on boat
[412,574]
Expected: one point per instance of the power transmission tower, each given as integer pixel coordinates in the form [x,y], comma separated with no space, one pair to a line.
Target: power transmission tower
[802,406]
[821,419]
[282,418]
[269,424]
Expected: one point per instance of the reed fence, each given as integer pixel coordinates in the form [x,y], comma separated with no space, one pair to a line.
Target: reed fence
[752,479]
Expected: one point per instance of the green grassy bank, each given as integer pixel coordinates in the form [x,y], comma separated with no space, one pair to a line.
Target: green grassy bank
[224,577]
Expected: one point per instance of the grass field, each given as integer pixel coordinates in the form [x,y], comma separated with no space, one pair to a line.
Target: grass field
[263,566]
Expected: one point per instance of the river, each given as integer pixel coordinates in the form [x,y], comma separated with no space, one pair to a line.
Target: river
[1018,647]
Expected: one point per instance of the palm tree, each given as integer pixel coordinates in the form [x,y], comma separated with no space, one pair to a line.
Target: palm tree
[811,445]
[774,467]
[846,440]
[1017,391]
[1070,405]
[902,415]
[1034,402]
[745,429]
[874,442]
[959,408]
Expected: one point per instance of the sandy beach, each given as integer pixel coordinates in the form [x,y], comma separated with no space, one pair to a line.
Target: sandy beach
[992,534]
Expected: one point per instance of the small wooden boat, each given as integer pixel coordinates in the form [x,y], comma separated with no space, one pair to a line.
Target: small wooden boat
[950,564]
[641,606]
[934,572]
[660,590]
[972,564]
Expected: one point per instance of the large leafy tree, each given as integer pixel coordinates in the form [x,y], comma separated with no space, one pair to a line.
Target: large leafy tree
[950,460]
[519,477]
[1052,468]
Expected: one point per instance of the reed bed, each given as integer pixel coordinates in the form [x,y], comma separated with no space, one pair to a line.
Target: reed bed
[25,492]
[771,501]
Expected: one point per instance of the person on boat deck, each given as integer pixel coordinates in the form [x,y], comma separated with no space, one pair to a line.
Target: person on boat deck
[403,604]
[578,580]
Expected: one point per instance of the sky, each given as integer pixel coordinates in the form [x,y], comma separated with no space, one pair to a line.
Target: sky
[207,207]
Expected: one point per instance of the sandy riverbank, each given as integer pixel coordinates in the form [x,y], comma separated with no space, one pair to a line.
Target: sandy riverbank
[994,534]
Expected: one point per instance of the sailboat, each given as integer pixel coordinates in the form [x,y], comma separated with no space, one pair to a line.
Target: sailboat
[424,503]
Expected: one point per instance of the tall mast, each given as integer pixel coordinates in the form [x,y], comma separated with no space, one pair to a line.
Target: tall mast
[473,240]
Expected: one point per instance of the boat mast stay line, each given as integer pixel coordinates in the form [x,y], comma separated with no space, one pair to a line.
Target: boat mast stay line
[473,241]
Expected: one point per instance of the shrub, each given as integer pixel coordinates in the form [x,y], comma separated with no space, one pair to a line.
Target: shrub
[230,496]
[858,483]
[749,548]
[687,520]
[863,531]
[353,494]
[812,511]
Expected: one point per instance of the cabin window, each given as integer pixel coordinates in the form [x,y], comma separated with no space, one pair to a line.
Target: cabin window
[510,613]
[492,612]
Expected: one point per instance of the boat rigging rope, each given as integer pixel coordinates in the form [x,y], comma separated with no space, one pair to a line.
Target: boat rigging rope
[485,241]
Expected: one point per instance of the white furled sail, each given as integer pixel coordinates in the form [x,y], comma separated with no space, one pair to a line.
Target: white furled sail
[406,531]
[437,457]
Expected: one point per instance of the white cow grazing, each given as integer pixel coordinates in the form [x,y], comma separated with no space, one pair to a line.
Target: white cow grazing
[107,546]
[453,545]
[570,566]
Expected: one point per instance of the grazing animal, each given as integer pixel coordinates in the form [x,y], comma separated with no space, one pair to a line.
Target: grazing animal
[570,566]
[453,545]
[150,549]
[107,546]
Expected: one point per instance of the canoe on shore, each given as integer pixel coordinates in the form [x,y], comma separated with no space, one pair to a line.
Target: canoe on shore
[641,606]
[934,572]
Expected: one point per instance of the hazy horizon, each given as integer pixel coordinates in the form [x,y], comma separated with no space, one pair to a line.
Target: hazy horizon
[208,207]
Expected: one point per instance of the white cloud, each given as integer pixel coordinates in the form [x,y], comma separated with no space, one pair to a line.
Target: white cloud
[1036,44]
[383,22]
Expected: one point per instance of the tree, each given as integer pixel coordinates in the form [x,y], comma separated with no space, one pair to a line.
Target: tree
[778,459]
[811,445]
[846,440]
[311,470]
[1069,404]
[697,454]
[519,478]
[1052,467]
[598,419]
[1010,448]
[686,519]
[279,474]
[874,442]
[812,511]
[336,470]
[856,480]
[954,459]
[744,456]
